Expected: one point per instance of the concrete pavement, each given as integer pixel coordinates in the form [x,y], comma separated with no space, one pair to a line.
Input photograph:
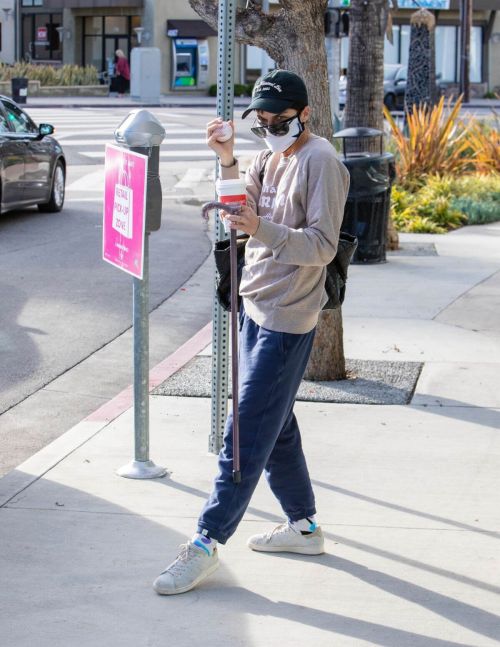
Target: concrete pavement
[407,495]
[191,100]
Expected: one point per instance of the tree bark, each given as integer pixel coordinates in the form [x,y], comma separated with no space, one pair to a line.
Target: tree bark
[294,37]
[365,79]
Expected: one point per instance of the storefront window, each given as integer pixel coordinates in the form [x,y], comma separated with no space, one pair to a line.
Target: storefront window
[40,38]
[93,25]
[103,35]
[446,54]
[116,25]
[447,51]
[391,50]
[476,49]
[404,47]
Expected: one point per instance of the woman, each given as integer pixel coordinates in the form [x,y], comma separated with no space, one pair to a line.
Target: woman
[122,73]
[295,205]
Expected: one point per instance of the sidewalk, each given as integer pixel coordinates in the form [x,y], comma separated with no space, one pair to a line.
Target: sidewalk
[179,101]
[407,494]
[166,101]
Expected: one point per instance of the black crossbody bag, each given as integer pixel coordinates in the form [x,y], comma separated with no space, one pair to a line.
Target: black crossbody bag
[336,271]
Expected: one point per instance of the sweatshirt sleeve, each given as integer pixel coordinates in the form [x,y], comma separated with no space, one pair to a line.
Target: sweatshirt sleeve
[325,186]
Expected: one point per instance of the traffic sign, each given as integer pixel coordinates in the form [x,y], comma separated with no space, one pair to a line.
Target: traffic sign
[124,219]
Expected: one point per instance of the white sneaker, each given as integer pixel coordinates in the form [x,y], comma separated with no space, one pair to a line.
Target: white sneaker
[192,566]
[286,539]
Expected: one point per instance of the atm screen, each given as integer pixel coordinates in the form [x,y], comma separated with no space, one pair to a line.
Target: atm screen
[184,64]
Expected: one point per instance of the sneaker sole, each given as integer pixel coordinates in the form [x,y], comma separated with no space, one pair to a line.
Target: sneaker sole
[301,550]
[187,588]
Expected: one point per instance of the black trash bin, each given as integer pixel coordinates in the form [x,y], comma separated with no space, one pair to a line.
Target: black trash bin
[19,89]
[369,198]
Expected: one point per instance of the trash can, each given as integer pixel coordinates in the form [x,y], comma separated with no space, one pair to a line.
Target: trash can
[19,89]
[369,198]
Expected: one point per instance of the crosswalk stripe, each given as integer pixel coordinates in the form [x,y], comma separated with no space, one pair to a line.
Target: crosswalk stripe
[166,142]
[179,154]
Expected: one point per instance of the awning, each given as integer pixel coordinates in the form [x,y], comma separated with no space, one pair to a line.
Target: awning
[189,29]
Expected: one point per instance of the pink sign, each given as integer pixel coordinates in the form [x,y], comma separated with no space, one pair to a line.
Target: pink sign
[124,209]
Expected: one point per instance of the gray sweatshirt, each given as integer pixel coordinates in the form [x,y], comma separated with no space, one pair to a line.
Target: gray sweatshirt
[301,205]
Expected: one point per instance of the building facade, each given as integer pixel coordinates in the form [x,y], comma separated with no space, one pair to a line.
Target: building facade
[7,31]
[484,45]
[88,32]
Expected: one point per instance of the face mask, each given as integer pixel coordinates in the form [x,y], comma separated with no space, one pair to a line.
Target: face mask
[280,143]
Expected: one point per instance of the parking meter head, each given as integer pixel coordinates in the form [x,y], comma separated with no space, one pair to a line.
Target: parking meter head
[140,129]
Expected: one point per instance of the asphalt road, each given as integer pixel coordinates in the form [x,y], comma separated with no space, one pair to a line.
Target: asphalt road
[64,312]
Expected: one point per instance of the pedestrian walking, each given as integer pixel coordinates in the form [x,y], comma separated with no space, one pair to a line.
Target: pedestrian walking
[122,73]
[296,191]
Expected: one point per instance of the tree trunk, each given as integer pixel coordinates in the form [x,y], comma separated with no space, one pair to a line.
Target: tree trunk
[294,37]
[365,78]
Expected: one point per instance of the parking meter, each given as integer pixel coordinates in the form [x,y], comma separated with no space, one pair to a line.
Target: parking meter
[142,133]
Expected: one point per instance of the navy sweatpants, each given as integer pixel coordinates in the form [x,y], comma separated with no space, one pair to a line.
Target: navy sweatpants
[271,367]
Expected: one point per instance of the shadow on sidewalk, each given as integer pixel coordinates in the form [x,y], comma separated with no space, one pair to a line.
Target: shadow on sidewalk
[400,508]
[459,410]
[77,570]
[234,598]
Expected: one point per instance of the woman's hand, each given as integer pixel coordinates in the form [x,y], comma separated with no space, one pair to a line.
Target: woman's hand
[223,149]
[246,220]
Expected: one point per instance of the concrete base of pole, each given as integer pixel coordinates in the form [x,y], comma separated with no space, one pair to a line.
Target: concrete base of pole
[142,470]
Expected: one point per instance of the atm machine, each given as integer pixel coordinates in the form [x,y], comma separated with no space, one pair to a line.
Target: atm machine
[190,62]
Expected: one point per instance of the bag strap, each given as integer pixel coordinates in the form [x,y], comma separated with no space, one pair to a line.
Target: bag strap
[265,159]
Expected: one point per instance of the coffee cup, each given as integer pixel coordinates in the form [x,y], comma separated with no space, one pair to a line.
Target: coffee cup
[231,192]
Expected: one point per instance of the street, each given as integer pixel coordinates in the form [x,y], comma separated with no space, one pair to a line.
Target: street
[61,303]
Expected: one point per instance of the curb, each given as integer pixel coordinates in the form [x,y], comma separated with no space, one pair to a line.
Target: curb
[25,474]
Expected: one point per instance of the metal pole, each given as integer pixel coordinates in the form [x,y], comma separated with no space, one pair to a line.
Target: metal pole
[141,359]
[142,128]
[220,342]
[465,31]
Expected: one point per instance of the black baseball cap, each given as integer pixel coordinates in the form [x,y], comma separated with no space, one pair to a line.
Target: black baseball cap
[276,91]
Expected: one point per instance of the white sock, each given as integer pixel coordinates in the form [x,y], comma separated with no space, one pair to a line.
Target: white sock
[204,542]
[305,526]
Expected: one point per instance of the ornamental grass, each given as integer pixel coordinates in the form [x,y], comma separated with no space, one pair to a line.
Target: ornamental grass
[436,143]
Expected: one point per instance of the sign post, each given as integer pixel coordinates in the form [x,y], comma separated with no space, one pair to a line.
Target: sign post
[220,334]
[132,209]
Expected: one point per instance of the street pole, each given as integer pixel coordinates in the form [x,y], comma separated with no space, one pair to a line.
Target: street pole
[465,32]
[220,331]
[142,133]
[17,34]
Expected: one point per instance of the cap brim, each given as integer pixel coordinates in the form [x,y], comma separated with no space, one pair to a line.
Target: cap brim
[269,105]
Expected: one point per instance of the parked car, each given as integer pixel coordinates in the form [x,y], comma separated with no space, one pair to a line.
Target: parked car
[32,163]
[395,76]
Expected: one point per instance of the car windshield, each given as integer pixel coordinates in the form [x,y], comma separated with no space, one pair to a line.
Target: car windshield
[390,72]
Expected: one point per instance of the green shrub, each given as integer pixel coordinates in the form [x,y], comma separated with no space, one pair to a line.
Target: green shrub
[446,202]
[478,212]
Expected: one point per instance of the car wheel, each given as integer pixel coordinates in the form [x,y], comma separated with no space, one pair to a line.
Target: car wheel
[57,192]
[390,101]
